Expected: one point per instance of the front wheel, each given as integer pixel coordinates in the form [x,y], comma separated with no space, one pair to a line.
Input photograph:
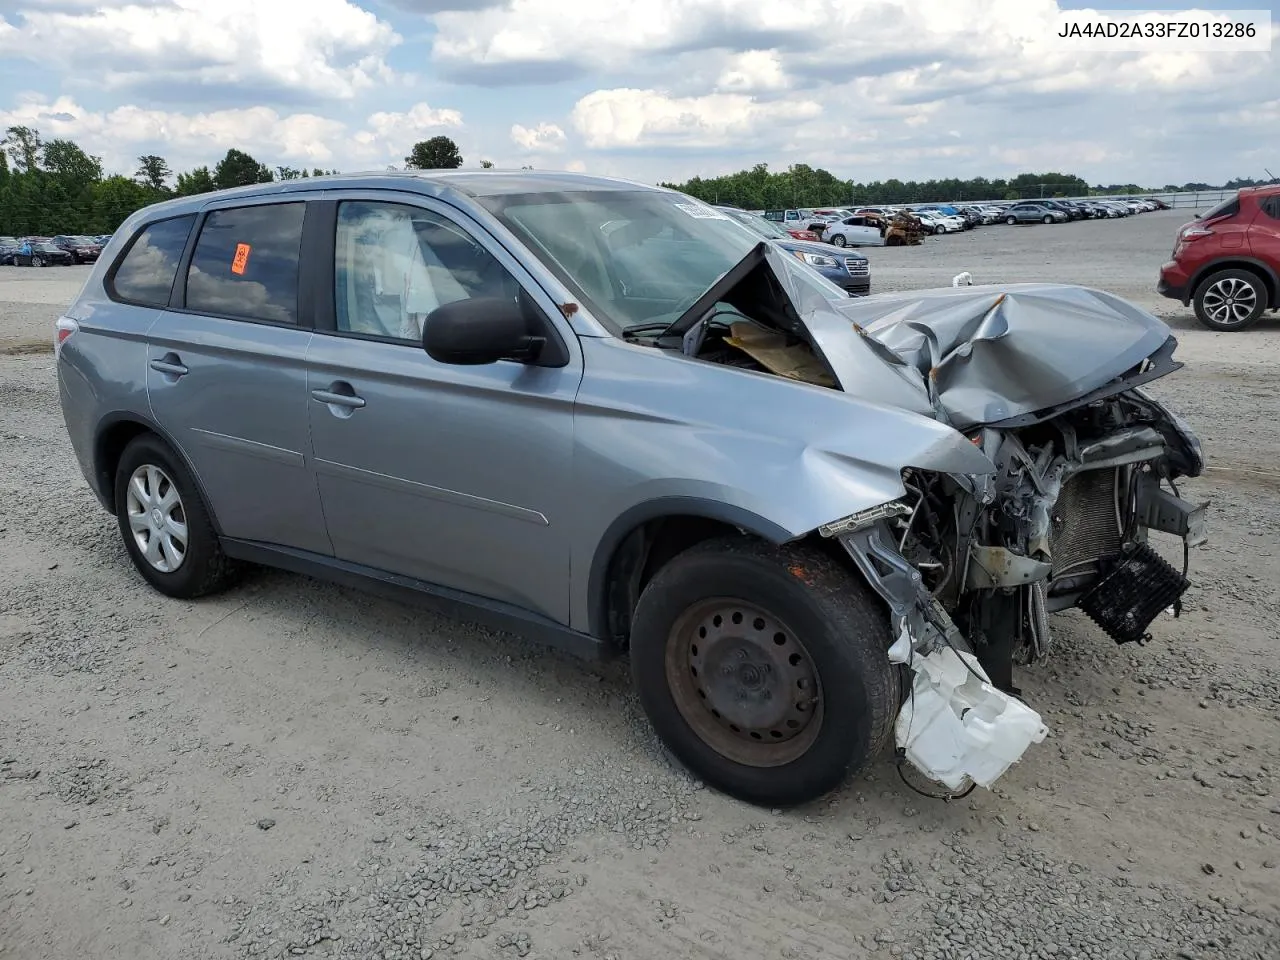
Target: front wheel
[1230,300]
[1048,219]
[1011,220]
[764,669]
[838,239]
[37,261]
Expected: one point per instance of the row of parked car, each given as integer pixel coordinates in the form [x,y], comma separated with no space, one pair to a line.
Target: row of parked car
[62,250]
[872,226]
[847,269]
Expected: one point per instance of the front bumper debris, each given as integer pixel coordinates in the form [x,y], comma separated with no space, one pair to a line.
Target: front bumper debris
[955,727]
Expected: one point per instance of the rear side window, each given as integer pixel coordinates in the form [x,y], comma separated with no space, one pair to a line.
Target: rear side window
[146,273]
[245,264]
[1227,208]
[1271,207]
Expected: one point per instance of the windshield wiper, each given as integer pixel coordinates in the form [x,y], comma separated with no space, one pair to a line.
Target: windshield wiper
[640,329]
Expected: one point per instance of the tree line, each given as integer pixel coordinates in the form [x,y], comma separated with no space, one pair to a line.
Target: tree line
[52,187]
[800,185]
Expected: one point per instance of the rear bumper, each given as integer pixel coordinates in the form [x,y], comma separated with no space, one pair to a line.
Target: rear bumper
[1174,283]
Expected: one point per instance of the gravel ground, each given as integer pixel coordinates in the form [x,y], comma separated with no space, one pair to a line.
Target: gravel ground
[297,770]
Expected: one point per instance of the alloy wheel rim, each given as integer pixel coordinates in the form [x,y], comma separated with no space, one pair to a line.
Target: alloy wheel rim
[1230,301]
[744,682]
[157,518]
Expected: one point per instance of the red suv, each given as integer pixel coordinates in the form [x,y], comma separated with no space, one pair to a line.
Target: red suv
[1227,262]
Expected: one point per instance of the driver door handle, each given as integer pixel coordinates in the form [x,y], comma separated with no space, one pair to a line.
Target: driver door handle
[338,397]
[170,366]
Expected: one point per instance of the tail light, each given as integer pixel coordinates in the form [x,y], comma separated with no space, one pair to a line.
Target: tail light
[64,328]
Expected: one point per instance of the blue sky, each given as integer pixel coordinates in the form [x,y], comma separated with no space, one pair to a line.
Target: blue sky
[871,89]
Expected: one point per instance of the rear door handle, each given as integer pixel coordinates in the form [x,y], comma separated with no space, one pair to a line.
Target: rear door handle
[170,366]
[338,397]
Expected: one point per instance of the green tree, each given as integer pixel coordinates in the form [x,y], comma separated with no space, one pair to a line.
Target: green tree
[24,145]
[114,199]
[759,188]
[289,173]
[238,169]
[199,180]
[438,153]
[69,164]
[486,164]
[153,173]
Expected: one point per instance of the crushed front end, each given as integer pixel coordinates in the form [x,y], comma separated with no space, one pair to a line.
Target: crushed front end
[971,567]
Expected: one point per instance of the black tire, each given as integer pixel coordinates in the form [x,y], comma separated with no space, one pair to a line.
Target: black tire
[824,610]
[838,239]
[204,569]
[1230,300]
[37,261]
[1048,219]
[1011,221]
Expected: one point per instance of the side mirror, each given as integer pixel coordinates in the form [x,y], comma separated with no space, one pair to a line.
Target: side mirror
[479,331]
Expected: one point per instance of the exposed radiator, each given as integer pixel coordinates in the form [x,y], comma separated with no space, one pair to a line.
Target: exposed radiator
[1084,526]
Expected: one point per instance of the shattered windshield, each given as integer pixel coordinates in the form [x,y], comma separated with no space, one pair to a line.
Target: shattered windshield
[634,257]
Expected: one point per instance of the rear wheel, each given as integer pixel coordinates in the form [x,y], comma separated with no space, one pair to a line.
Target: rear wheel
[838,239]
[165,524]
[764,669]
[1230,300]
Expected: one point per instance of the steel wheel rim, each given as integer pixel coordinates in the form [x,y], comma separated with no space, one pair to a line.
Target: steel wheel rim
[1230,301]
[157,518]
[744,682]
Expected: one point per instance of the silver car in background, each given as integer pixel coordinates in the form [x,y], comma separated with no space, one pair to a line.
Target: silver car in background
[609,417]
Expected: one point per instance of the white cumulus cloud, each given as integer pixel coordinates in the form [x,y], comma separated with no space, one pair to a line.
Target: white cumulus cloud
[325,49]
[631,118]
[545,137]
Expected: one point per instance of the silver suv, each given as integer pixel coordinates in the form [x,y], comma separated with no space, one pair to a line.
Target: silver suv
[610,417]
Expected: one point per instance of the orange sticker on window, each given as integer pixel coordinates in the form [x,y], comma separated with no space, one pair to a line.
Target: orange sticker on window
[241,259]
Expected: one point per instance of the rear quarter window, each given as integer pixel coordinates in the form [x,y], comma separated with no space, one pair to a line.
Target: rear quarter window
[146,272]
[245,264]
[1227,208]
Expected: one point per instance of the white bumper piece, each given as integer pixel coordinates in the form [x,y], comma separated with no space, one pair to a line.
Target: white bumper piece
[955,726]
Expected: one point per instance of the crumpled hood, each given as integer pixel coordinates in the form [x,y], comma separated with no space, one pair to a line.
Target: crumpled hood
[990,352]
[998,352]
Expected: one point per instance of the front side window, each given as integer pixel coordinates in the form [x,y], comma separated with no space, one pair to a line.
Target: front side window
[395,264]
[245,264]
[148,269]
